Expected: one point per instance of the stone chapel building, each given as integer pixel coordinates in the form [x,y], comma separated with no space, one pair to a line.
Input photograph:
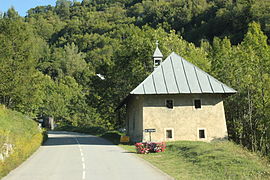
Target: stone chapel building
[178,101]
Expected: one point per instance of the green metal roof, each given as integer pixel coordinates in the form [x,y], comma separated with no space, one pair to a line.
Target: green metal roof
[176,75]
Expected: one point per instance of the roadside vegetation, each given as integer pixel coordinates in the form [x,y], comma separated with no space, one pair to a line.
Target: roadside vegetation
[113,135]
[19,138]
[207,161]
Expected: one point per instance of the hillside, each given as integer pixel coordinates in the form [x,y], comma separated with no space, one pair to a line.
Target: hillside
[19,138]
[208,161]
[76,61]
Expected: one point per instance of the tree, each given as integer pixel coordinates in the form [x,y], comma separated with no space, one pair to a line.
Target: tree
[12,14]
[63,8]
[256,76]
[18,61]
[246,67]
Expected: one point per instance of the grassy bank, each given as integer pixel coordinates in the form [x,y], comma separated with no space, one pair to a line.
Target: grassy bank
[199,160]
[19,138]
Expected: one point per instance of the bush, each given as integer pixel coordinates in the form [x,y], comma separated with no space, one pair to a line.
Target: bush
[113,136]
[94,130]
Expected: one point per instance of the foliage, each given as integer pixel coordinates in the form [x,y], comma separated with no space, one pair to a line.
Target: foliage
[246,67]
[113,136]
[198,20]
[17,58]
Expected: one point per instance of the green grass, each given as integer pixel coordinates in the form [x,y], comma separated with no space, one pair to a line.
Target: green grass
[24,135]
[200,160]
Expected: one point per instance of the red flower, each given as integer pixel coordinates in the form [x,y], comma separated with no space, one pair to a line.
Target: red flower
[146,147]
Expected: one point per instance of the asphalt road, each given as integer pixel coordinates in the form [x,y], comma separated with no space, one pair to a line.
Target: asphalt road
[74,156]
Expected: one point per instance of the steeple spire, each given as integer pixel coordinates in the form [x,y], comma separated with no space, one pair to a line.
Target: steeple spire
[157,56]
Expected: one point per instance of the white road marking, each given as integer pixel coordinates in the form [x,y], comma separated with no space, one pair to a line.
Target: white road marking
[82,156]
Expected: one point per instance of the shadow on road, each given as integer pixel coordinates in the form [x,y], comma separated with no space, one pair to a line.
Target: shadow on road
[58,138]
[128,152]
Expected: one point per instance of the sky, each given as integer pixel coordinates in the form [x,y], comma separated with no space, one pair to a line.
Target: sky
[22,6]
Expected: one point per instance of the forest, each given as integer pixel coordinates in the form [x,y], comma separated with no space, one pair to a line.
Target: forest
[76,61]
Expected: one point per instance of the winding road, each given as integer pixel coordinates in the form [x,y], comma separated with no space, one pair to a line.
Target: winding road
[75,156]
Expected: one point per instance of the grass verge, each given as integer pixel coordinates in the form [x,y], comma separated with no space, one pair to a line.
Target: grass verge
[200,160]
[19,136]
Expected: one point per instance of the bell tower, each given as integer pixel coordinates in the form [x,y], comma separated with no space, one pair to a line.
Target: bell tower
[157,56]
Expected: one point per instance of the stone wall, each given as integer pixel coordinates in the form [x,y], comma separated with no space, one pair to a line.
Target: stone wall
[184,120]
[134,119]
[6,148]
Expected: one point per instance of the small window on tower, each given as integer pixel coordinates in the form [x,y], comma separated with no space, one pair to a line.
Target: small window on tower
[197,104]
[169,103]
[157,62]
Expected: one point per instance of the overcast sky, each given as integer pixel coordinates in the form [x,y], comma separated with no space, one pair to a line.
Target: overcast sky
[22,6]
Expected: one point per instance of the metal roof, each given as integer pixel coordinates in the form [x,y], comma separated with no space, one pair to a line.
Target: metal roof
[176,75]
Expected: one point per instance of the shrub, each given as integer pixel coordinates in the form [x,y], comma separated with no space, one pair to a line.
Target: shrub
[113,136]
